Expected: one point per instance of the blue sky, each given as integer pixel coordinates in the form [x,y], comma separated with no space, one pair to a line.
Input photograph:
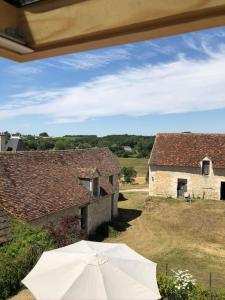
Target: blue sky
[171,84]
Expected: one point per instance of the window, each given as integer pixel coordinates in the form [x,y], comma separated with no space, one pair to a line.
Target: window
[96,187]
[86,183]
[111,179]
[205,167]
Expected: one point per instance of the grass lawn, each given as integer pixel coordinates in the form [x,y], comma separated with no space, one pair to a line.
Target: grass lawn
[141,166]
[176,233]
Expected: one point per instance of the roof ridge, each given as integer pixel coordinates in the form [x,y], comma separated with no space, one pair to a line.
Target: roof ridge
[53,151]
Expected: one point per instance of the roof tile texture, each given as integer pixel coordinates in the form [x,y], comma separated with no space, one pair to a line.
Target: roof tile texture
[188,149]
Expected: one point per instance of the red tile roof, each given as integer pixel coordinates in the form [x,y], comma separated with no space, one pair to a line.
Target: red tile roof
[34,184]
[188,149]
[88,173]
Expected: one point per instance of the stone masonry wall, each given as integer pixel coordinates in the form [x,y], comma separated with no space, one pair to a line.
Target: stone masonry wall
[98,211]
[163,182]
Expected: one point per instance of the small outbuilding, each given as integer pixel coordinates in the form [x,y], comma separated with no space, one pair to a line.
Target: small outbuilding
[188,165]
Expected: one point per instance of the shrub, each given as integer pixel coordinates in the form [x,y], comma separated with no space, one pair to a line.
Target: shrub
[166,286]
[103,231]
[182,286]
[128,174]
[19,256]
[184,283]
[27,244]
[66,232]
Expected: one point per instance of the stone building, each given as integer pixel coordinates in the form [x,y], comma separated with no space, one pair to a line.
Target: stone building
[188,165]
[14,143]
[43,186]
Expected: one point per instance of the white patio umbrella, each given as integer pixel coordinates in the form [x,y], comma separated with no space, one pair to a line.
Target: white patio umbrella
[95,271]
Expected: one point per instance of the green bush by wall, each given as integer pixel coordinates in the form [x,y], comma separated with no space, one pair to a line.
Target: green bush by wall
[19,256]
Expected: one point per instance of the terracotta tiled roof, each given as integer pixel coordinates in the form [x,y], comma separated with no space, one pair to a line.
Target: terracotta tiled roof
[188,149]
[106,186]
[88,173]
[34,184]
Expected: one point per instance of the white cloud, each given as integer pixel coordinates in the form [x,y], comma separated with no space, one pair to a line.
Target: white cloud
[205,43]
[23,70]
[160,49]
[91,60]
[184,85]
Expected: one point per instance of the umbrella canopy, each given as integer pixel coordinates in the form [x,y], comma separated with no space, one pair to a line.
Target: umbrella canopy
[96,271]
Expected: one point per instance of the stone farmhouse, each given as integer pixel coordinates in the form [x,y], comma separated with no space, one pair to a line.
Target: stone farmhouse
[188,165]
[43,186]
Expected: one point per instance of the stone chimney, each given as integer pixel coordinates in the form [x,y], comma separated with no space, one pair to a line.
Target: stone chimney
[2,141]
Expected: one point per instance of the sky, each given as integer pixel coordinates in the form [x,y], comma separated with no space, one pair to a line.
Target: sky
[170,84]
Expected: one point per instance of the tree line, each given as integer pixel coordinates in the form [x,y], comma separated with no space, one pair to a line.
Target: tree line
[137,146]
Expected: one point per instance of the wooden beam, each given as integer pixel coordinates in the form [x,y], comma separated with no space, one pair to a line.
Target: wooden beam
[56,27]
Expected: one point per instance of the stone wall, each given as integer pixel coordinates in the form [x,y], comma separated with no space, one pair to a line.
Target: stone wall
[98,212]
[163,182]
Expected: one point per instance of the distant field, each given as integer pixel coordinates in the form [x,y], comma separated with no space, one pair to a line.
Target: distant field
[139,164]
[176,233]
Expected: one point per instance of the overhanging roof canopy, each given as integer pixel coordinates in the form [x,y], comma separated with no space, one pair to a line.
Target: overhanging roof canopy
[54,27]
[20,3]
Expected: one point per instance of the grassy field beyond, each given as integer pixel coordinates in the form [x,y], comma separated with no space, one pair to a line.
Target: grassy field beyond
[141,166]
[173,232]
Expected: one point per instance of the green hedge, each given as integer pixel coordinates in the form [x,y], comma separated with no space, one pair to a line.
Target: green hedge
[19,256]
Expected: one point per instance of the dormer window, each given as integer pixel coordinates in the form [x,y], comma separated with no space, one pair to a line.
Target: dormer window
[86,183]
[95,186]
[111,179]
[205,167]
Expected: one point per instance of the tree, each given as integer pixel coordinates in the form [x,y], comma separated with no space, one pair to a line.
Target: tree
[43,134]
[128,174]
[84,146]
[60,145]
[45,144]
[7,134]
